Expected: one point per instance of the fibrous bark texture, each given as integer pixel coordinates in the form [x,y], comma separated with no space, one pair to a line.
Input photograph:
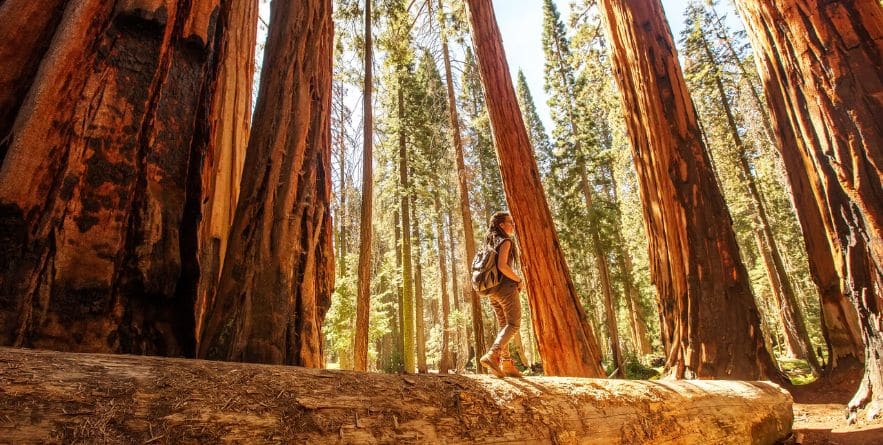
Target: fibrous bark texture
[26,30]
[566,342]
[226,136]
[278,274]
[711,327]
[57,397]
[822,67]
[101,168]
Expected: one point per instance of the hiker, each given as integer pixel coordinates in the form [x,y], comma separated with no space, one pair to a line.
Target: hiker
[504,296]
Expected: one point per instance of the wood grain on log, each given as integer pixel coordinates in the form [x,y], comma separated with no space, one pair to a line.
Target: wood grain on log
[90,398]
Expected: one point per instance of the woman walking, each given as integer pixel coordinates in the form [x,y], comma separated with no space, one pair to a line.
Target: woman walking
[504,296]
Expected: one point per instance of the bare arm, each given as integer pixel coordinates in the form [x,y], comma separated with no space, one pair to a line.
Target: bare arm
[503,262]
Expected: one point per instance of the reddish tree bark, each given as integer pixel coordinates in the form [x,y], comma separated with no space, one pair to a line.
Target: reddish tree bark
[711,327]
[567,343]
[228,125]
[102,170]
[26,30]
[278,275]
[821,66]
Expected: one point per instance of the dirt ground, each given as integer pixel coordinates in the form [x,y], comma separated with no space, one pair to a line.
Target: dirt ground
[820,414]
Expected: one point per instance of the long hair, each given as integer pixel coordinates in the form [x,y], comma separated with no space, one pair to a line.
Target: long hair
[495,233]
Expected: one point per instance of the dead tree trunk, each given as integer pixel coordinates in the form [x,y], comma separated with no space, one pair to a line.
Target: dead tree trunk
[279,271]
[52,397]
[567,343]
[100,186]
[711,327]
[820,63]
[363,296]
[407,308]
[227,134]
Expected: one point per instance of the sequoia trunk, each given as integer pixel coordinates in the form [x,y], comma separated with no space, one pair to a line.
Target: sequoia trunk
[100,186]
[820,64]
[227,134]
[839,318]
[278,275]
[711,327]
[567,343]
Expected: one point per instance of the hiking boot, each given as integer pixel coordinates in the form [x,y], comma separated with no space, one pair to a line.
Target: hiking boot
[491,361]
[507,365]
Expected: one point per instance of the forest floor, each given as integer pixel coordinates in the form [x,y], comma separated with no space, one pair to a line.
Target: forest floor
[820,414]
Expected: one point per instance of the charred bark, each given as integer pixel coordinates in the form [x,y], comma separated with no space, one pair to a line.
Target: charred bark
[278,274]
[226,139]
[100,184]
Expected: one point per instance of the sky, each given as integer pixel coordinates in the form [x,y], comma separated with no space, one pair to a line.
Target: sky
[521,26]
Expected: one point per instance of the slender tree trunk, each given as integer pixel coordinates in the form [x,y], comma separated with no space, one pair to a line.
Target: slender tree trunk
[567,343]
[638,325]
[604,278]
[780,282]
[363,297]
[419,316]
[279,270]
[227,139]
[462,341]
[341,210]
[445,363]
[711,327]
[820,63]
[407,266]
[101,183]
[463,188]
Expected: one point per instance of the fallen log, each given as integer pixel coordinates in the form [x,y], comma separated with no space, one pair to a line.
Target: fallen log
[53,397]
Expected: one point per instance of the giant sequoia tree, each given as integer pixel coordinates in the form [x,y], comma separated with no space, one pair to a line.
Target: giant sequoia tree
[103,127]
[821,67]
[566,342]
[711,325]
[278,274]
[227,129]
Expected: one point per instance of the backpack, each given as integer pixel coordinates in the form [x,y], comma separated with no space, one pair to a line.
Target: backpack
[485,274]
